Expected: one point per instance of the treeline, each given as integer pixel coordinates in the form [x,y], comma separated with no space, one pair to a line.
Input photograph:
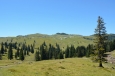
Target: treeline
[62,34]
[51,52]
[48,52]
[20,50]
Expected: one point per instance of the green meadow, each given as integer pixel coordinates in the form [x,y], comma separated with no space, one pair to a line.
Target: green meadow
[65,67]
[60,67]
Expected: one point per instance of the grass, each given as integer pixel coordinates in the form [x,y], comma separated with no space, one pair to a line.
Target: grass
[64,67]
[113,53]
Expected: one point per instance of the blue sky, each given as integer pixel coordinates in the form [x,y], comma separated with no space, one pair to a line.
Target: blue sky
[22,17]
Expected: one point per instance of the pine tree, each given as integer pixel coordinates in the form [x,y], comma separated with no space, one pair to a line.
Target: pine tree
[88,50]
[79,52]
[37,56]
[24,52]
[67,52]
[27,52]
[6,45]
[2,48]
[44,43]
[18,52]
[53,52]
[61,56]
[57,51]
[5,50]
[44,52]
[32,49]
[10,52]
[0,56]
[21,57]
[28,48]
[16,55]
[100,34]
[113,44]
[50,51]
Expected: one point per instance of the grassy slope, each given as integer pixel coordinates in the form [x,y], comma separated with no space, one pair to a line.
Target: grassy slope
[64,67]
[62,40]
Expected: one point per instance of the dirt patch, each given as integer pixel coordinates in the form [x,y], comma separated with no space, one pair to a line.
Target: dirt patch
[110,58]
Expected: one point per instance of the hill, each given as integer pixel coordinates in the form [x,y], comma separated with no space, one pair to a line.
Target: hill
[62,39]
[63,67]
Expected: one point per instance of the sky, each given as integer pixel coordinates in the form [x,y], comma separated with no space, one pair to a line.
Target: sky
[22,17]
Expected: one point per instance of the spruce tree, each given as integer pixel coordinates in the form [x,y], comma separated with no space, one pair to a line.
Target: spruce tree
[16,55]
[6,45]
[5,50]
[100,34]
[0,56]
[10,52]
[44,52]
[28,48]
[67,52]
[21,57]
[2,48]
[50,51]
[37,56]
[18,52]
[24,52]
[79,52]
[88,51]
[61,56]
[27,52]
[57,51]
[32,49]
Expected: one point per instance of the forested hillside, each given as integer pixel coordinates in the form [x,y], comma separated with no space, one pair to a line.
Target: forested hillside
[46,47]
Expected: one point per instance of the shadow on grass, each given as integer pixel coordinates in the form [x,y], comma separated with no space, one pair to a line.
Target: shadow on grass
[61,67]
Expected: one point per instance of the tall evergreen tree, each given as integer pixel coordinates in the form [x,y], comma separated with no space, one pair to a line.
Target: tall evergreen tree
[10,52]
[57,51]
[53,52]
[27,52]
[32,49]
[0,56]
[67,52]
[18,52]
[37,56]
[24,52]
[2,48]
[100,34]
[44,52]
[21,57]
[16,55]
[79,54]
[88,50]
[50,51]
[61,56]
[72,51]
[6,45]
[5,50]
[28,48]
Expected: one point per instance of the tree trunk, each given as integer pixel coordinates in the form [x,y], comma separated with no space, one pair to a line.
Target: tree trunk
[100,62]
